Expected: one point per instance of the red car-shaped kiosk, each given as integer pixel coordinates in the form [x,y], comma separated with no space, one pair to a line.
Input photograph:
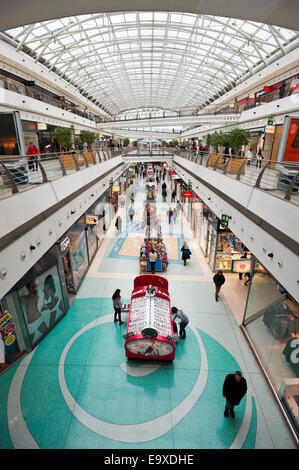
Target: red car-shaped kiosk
[150,329]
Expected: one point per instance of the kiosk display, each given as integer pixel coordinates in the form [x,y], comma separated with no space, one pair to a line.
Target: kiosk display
[150,330]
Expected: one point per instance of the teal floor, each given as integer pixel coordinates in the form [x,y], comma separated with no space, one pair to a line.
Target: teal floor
[78,390]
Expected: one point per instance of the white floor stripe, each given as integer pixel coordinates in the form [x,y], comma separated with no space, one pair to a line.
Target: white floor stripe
[142,432]
[20,435]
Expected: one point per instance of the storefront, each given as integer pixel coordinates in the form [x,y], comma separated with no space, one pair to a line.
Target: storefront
[207,221]
[271,323]
[77,249]
[32,307]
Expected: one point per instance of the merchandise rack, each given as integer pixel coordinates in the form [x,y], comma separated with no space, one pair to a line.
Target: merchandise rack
[150,330]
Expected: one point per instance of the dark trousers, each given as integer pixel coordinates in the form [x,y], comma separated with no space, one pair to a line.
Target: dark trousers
[32,164]
[153,265]
[131,217]
[182,329]
[229,406]
[217,290]
[117,313]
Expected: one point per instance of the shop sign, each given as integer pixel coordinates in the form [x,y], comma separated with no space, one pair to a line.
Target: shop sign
[189,185]
[188,194]
[172,173]
[224,220]
[5,318]
[91,219]
[41,126]
[115,189]
[230,239]
[269,129]
[9,340]
[65,244]
[270,121]
[241,266]
[111,183]
[6,328]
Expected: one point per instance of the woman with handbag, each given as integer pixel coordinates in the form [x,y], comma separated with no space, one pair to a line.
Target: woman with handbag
[185,252]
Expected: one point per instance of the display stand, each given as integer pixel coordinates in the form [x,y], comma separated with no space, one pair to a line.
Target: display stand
[150,329]
[159,247]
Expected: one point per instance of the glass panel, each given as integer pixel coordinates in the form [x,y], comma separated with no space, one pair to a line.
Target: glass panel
[272,323]
[42,303]
[78,255]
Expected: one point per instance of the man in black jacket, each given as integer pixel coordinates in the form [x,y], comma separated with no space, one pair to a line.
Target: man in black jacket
[218,280]
[234,389]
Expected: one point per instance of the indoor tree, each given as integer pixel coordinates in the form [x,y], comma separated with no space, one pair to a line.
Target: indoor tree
[87,138]
[62,135]
[126,142]
[238,138]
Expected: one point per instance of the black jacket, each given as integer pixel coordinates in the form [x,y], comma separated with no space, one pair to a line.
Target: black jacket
[219,279]
[234,391]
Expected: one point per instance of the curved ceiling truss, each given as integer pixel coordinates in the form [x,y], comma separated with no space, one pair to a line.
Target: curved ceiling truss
[151,59]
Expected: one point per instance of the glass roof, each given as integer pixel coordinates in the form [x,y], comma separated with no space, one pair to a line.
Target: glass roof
[155,60]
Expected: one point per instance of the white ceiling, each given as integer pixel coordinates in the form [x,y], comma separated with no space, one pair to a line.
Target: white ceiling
[166,60]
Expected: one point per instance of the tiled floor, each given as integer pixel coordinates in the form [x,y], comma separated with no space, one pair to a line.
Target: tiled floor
[78,390]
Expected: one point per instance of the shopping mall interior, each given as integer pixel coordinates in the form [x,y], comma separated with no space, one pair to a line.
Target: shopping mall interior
[149,247]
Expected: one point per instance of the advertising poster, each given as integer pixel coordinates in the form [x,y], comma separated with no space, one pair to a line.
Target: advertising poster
[291,153]
[42,303]
[241,266]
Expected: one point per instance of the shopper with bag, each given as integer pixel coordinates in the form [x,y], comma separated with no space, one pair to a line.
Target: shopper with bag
[184,320]
[218,280]
[117,304]
[31,152]
[186,253]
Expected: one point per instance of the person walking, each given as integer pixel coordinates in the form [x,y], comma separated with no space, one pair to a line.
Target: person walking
[175,214]
[185,252]
[131,213]
[184,320]
[234,388]
[164,195]
[117,303]
[260,157]
[173,194]
[164,186]
[218,280]
[31,152]
[244,256]
[118,224]
[170,214]
[152,259]
[178,206]
[132,198]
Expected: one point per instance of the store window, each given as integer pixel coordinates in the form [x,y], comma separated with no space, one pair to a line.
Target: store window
[42,304]
[271,321]
[16,87]
[78,253]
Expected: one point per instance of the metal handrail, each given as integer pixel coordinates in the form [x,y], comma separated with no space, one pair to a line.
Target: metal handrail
[44,167]
[266,175]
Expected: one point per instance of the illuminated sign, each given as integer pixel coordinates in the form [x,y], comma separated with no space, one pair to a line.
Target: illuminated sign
[65,244]
[188,194]
[41,126]
[291,153]
[241,266]
[269,129]
[91,219]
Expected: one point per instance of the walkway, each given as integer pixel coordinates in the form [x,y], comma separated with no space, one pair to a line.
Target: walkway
[77,389]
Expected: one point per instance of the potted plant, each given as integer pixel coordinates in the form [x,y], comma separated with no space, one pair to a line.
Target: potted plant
[126,142]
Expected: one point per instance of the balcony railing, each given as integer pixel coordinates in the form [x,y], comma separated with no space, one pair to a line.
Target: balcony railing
[280,179]
[22,172]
